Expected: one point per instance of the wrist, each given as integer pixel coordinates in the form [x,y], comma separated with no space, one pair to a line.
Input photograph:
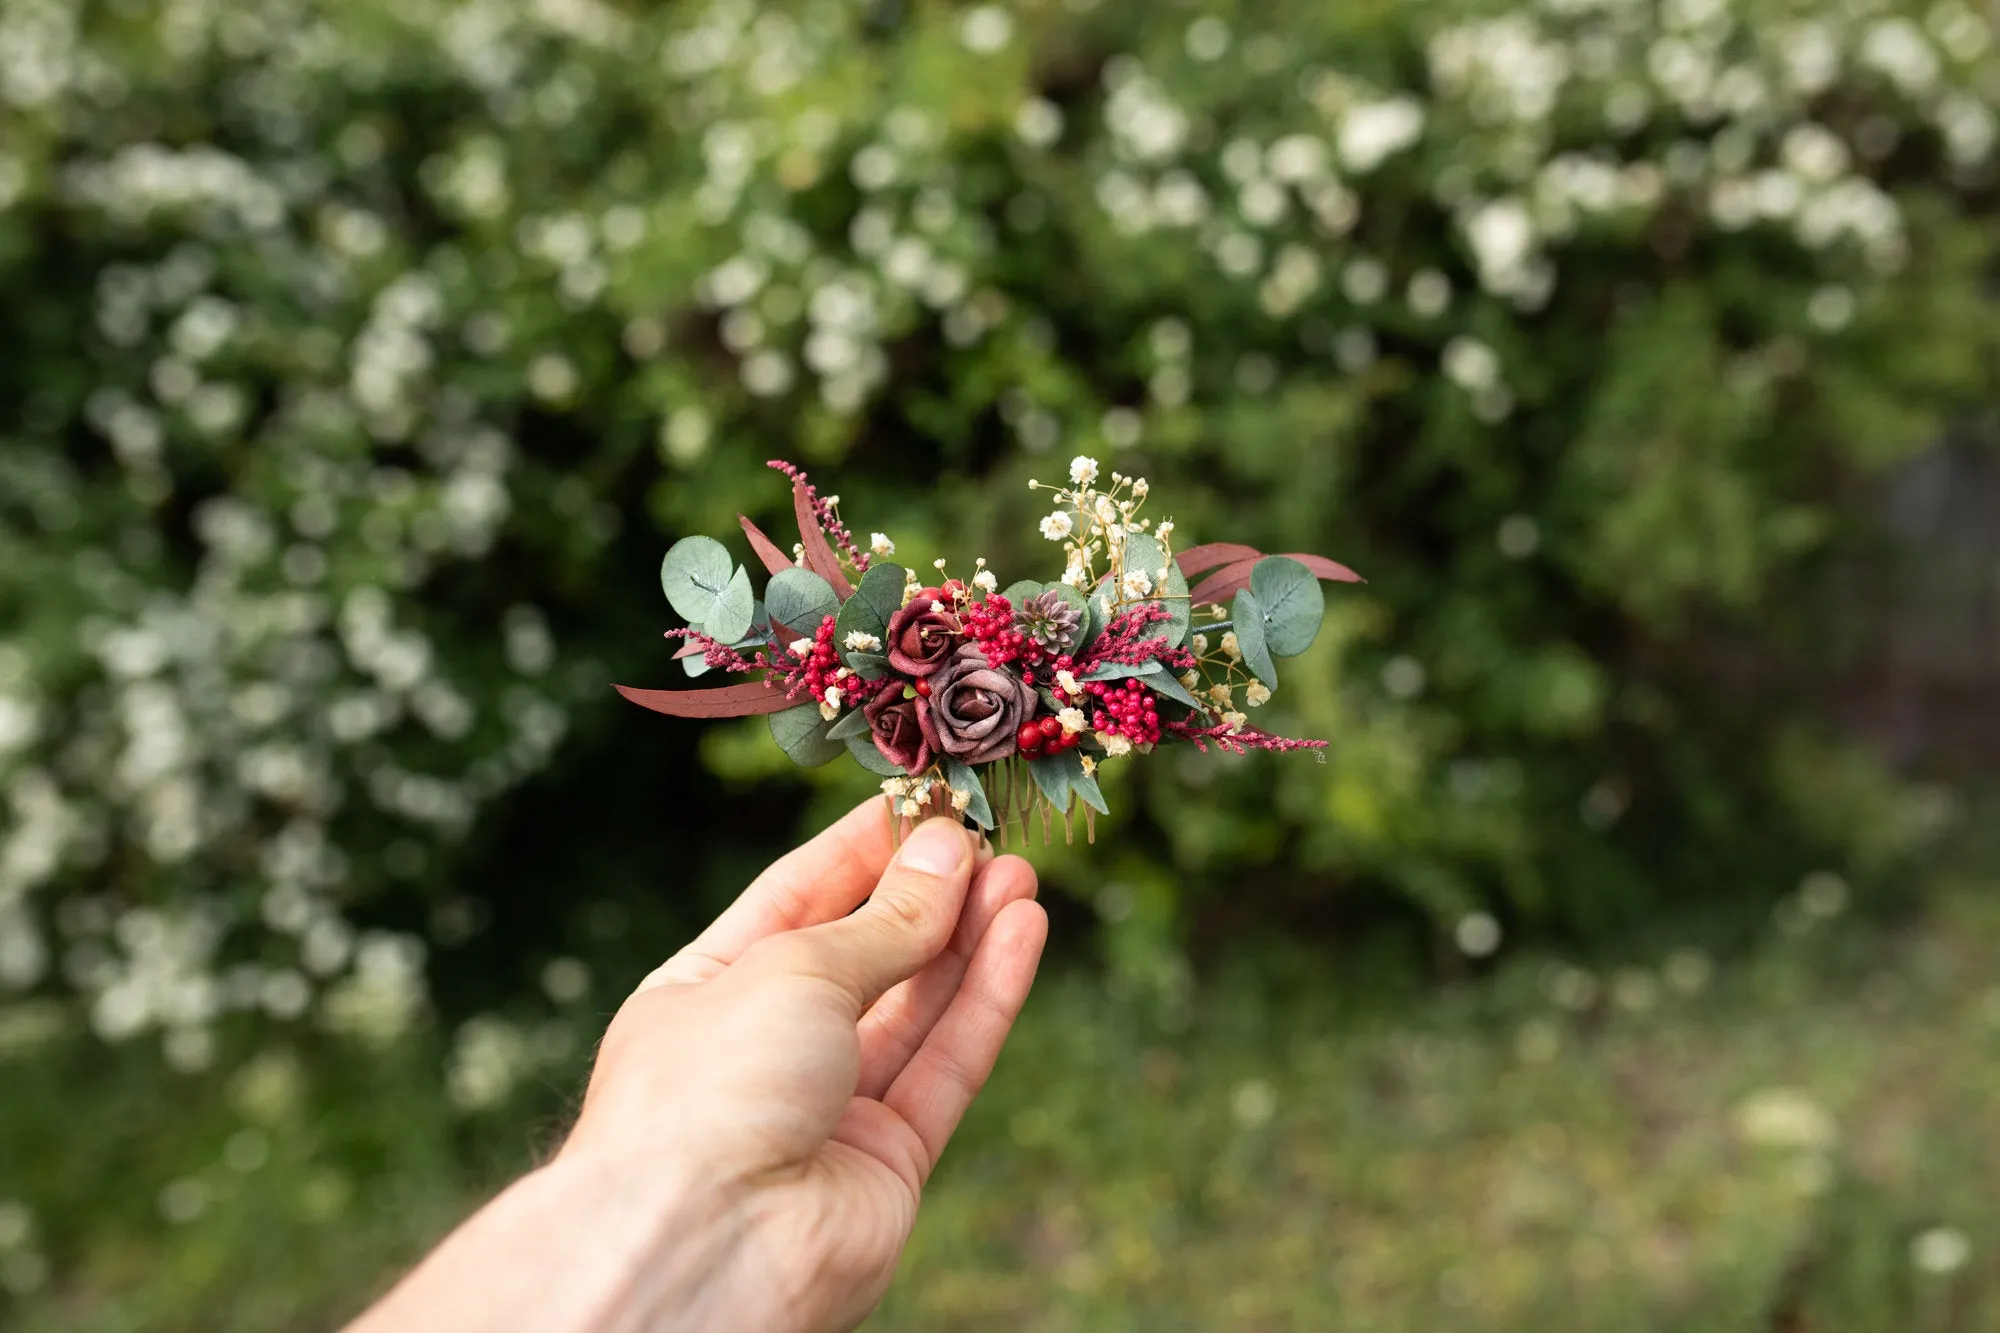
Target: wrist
[660,1238]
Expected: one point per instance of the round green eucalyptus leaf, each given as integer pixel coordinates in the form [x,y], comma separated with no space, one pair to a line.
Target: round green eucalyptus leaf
[1020,592]
[869,756]
[1292,601]
[734,610]
[1144,553]
[882,589]
[1248,615]
[695,573]
[799,600]
[801,733]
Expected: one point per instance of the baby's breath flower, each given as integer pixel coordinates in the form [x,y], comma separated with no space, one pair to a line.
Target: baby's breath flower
[1083,469]
[880,544]
[802,647]
[1067,682]
[1057,526]
[960,799]
[1221,695]
[938,564]
[1190,679]
[895,786]
[985,582]
[1218,612]
[1075,576]
[1089,765]
[861,641]
[1231,647]
[910,809]
[1256,694]
[1072,720]
[1114,745]
[1140,488]
[1107,512]
[829,705]
[1200,645]
[1166,530]
[1235,721]
[937,607]
[1136,583]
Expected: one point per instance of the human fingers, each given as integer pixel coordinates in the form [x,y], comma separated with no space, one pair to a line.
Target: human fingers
[821,880]
[905,923]
[949,1069]
[893,1029]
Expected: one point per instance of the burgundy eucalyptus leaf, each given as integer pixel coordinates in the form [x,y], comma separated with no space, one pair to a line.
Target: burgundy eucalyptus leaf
[747,700]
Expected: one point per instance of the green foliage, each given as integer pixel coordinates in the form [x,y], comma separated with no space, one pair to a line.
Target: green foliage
[799,600]
[1289,605]
[805,736]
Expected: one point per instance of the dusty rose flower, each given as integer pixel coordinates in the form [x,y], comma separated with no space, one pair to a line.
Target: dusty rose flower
[919,638]
[898,731]
[974,709]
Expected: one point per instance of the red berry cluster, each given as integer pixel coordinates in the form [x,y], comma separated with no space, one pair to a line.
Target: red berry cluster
[1126,710]
[1045,736]
[822,665]
[991,625]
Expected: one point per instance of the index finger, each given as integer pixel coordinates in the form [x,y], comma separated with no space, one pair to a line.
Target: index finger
[822,880]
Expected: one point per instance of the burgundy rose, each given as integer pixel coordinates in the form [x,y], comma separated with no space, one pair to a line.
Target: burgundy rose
[898,729]
[974,709]
[919,638]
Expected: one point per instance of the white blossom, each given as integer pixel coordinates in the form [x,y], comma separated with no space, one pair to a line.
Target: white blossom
[880,544]
[1072,720]
[1256,694]
[1083,469]
[985,581]
[861,641]
[1136,584]
[1057,526]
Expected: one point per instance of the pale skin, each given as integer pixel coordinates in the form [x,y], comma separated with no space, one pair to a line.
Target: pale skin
[765,1108]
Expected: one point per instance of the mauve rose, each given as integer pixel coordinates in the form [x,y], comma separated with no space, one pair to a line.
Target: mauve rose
[898,731]
[974,709]
[919,638]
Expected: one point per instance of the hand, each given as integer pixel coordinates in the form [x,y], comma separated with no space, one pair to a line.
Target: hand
[767,1106]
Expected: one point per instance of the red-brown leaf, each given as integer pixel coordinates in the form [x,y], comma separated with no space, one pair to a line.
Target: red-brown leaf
[819,553]
[1327,569]
[1224,583]
[746,700]
[766,549]
[1199,559]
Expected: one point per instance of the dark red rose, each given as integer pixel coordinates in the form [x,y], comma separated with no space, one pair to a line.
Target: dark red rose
[920,638]
[898,730]
[974,709]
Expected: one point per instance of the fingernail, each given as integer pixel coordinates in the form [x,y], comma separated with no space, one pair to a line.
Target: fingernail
[936,848]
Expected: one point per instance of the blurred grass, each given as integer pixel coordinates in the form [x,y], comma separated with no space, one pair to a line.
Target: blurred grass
[1759,1143]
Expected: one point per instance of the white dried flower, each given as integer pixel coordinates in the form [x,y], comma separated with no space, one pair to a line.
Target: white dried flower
[1057,526]
[1114,745]
[1234,721]
[1231,647]
[985,582]
[1256,694]
[1083,469]
[1135,584]
[1089,765]
[1200,645]
[880,544]
[1067,682]
[802,647]
[895,786]
[960,799]
[910,809]
[829,704]
[1165,530]
[861,641]
[1221,695]
[1075,576]
[1190,679]
[1140,488]
[1072,720]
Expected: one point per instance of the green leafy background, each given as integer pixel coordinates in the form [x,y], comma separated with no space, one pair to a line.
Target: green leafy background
[363,361]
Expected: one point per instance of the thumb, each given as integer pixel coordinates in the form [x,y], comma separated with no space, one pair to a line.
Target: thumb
[905,923]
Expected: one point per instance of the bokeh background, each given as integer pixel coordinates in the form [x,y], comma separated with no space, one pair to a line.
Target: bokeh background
[1628,963]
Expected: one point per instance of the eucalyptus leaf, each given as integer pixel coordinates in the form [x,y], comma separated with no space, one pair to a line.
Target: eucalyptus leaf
[1167,686]
[881,588]
[962,778]
[853,722]
[1093,624]
[1051,774]
[733,611]
[857,616]
[1249,615]
[1145,554]
[1292,602]
[1085,784]
[801,733]
[694,574]
[1118,670]
[1018,593]
[868,666]
[695,666]
[799,600]
[869,756]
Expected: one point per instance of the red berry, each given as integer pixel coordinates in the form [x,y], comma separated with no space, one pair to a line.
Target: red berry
[1050,728]
[1029,737]
[924,688]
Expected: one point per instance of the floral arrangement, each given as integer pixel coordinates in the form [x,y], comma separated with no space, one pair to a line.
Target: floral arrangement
[998,704]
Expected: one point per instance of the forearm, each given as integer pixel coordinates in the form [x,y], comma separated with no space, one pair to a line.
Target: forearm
[579,1246]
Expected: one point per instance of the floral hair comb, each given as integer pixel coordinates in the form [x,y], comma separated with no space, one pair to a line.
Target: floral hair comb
[995,704]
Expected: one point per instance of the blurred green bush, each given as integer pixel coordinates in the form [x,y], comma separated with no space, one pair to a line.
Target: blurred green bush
[364,357]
